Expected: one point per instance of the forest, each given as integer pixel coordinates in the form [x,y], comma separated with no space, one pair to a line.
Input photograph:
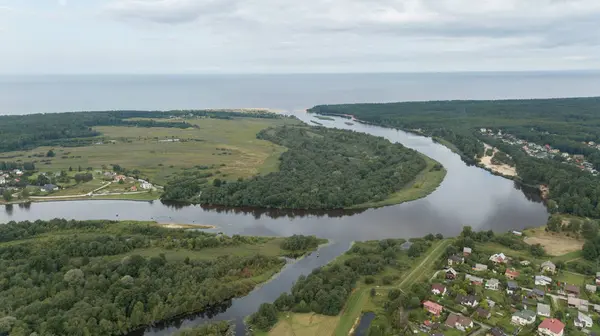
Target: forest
[23,132]
[562,123]
[62,277]
[322,169]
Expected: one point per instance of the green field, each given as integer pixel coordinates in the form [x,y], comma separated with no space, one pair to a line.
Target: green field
[424,184]
[229,146]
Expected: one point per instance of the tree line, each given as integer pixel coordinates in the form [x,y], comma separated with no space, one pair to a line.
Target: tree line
[87,277]
[562,123]
[322,169]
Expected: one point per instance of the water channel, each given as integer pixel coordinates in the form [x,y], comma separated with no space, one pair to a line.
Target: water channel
[467,196]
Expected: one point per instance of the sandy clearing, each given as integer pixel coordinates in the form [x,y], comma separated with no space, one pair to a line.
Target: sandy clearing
[503,169]
[555,244]
[186,226]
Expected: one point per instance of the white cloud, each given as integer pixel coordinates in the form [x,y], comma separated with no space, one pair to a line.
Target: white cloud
[63,3]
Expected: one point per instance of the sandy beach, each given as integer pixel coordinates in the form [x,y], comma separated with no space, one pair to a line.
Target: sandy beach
[503,169]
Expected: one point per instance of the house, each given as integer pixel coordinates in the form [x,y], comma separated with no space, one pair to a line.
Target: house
[433,307]
[455,260]
[523,317]
[542,280]
[474,280]
[134,188]
[537,293]
[517,233]
[146,185]
[2,180]
[580,304]
[49,188]
[597,308]
[467,300]
[451,274]
[511,287]
[511,273]
[459,322]
[480,267]
[548,266]
[583,321]
[492,284]
[467,251]
[551,327]
[543,310]
[525,263]
[438,289]
[483,313]
[491,303]
[496,332]
[590,288]
[572,290]
[119,178]
[499,258]
[17,172]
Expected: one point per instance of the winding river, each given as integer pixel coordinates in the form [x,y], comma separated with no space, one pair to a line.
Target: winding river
[467,196]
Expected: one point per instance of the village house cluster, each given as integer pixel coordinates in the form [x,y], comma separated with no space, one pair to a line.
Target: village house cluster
[544,151]
[494,292]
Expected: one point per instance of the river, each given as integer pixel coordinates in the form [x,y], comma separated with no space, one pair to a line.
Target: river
[467,196]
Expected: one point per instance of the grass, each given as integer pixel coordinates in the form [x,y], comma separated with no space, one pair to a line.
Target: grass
[303,325]
[145,196]
[81,188]
[352,311]
[229,146]
[571,278]
[424,184]
[555,244]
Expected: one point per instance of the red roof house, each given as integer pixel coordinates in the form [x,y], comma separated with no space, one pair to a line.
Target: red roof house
[438,289]
[551,327]
[433,307]
[511,274]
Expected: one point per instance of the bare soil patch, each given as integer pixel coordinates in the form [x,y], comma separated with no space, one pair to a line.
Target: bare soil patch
[503,169]
[555,244]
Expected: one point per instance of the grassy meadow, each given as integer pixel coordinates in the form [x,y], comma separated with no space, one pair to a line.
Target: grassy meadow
[230,146]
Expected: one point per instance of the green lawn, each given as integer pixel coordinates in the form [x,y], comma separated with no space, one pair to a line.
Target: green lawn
[352,311]
[424,184]
[571,278]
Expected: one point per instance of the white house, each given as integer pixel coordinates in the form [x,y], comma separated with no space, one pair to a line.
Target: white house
[499,258]
[480,267]
[146,185]
[18,172]
[542,280]
[2,180]
[543,309]
[583,321]
[523,317]
[492,284]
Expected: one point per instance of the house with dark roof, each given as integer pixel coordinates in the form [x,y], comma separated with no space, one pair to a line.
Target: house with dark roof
[483,313]
[455,260]
[495,332]
[451,274]
[572,290]
[511,287]
[459,322]
[467,300]
[438,289]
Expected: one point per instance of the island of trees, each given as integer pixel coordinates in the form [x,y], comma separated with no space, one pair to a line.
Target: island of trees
[322,169]
[64,277]
[569,125]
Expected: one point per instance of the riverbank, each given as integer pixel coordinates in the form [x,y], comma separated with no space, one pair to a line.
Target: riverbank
[426,182]
[501,169]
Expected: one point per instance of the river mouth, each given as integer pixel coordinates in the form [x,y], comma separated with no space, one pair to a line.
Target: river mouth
[468,196]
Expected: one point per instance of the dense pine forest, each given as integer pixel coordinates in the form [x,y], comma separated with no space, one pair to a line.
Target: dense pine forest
[322,169]
[562,123]
[64,277]
[24,132]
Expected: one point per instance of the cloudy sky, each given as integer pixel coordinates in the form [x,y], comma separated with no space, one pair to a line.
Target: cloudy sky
[287,36]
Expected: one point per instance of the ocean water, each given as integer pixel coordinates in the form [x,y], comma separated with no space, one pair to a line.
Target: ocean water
[57,93]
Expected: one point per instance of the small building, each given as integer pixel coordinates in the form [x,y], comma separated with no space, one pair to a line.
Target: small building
[591,288]
[119,178]
[551,327]
[438,289]
[544,310]
[517,233]
[511,273]
[146,185]
[492,284]
[572,290]
[548,266]
[455,260]
[49,188]
[583,321]
[499,258]
[579,304]
[525,263]
[474,280]
[523,317]
[511,287]
[467,251]
[451,274]
[480,268]
[537,294]
[467,300]
[18,172]
[459,322]
[542,280]
[496,332]
[134,188]
[432,307]
[483,313]
[2,180]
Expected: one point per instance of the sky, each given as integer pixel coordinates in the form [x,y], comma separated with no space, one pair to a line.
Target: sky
[305,36]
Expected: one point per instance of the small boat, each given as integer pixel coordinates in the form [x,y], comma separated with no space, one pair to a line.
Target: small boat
[348,123]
